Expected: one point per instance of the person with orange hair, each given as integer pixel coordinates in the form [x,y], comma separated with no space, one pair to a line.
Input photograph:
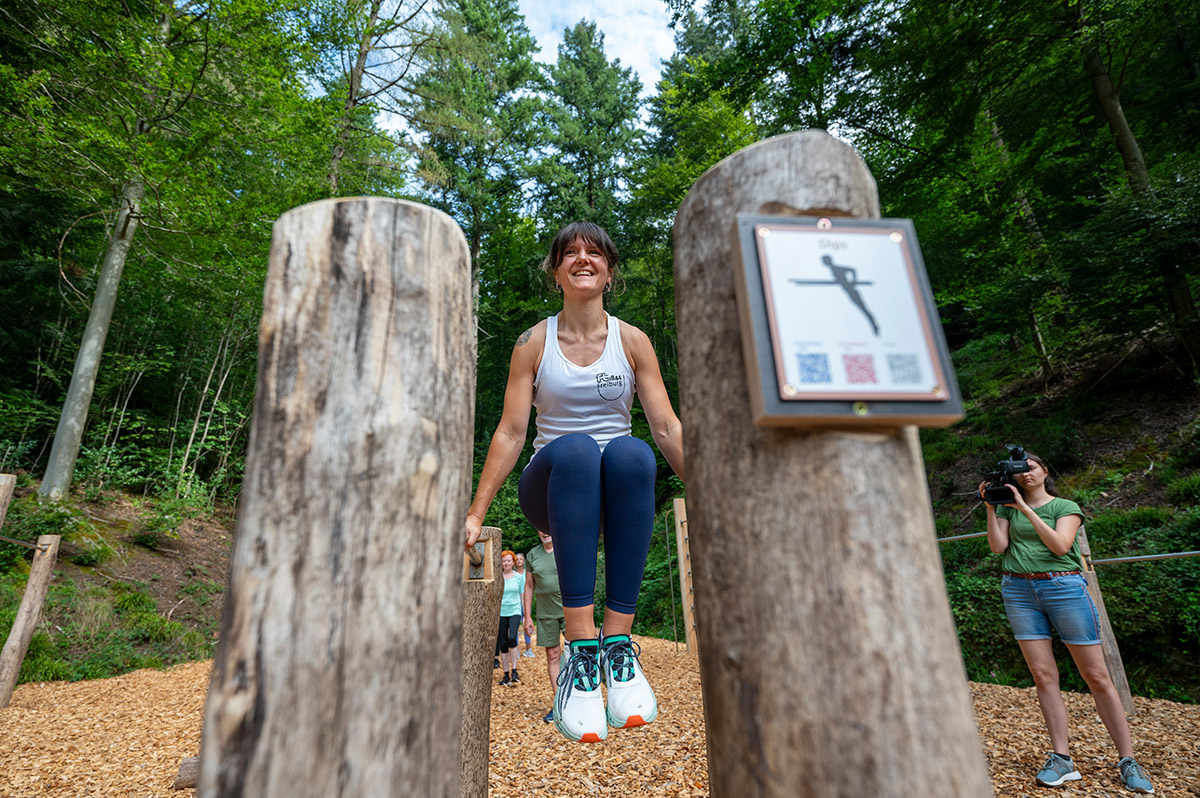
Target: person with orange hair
[512,610]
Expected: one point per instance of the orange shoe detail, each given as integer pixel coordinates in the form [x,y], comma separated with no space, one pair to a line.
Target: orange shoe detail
[634,720]
[590,737]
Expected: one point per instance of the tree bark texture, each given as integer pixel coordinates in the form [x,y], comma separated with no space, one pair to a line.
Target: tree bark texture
[815,548]
[1114,114]
[63,453]
[8,483]
[27,617]
[337,672]
[480,611]
[1108,639]
[189,771]
[1178,292]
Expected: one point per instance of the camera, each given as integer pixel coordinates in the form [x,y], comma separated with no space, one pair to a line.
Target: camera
[996,491]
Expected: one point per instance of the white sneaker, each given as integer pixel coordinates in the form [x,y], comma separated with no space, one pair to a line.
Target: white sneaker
[578,702]
[631,702]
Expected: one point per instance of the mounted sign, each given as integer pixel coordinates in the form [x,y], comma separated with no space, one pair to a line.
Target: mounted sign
[839,326]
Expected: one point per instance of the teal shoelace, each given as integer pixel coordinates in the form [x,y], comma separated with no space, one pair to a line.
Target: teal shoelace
[582,672]
[621,657]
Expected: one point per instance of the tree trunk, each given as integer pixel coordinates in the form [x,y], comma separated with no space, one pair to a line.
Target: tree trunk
[27,616]
[1029,217]
[1178,293]
[338,669]
[815,548]
[353,90]
[61,466]
[1114,114]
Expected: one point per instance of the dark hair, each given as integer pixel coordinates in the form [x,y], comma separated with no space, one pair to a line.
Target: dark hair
[1050,487]
[590,232]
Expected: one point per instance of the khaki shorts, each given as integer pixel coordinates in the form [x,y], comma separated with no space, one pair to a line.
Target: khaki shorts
[550,629]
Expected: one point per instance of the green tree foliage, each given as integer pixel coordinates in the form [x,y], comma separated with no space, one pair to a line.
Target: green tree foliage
[590,117]
[365,52]
[997,127]
[199,120]
[126,110]
[992,124]
[474,107]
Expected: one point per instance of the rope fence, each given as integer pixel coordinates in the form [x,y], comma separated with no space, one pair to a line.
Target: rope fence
[1108,640]
[1141,558]
[24,543]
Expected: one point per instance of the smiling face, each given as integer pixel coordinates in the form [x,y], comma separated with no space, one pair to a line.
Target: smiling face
[577,242]
[583,267]
[506,562]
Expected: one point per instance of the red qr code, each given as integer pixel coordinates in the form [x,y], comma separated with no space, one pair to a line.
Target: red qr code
[860,368]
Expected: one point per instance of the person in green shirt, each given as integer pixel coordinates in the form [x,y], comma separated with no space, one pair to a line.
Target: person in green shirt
[541,585]
[1042,586]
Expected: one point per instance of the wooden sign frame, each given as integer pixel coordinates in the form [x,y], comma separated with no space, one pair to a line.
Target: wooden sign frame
[821,352]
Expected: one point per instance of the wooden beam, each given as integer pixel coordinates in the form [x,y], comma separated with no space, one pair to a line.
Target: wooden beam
[1108,640]
[835,668]
[28,615]
[684,554]
[338,667]
[7,483]
[480,613]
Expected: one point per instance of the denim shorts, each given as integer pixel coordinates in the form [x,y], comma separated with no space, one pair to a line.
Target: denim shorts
[1032,605]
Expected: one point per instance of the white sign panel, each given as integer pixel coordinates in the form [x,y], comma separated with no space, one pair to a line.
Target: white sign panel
[846,314]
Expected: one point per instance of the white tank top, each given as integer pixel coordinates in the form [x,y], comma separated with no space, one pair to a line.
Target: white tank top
[594,399]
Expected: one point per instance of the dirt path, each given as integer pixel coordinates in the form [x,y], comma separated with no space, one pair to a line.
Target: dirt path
[122,737]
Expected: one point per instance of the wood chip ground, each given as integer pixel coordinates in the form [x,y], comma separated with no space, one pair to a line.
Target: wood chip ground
[126,736]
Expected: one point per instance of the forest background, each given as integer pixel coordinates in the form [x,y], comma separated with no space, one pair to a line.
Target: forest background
[1048,153]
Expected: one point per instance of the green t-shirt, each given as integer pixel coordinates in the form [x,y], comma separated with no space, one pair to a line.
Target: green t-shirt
[540,563]
[1026,553]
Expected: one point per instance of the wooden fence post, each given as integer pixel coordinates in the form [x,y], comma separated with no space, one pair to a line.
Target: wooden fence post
[8,483]
[835,669]
[684,553]
[338,668]
[1108,640]
[481,615]
[28,614]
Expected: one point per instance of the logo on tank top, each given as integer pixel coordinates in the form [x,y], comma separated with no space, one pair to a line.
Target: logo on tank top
[610,386]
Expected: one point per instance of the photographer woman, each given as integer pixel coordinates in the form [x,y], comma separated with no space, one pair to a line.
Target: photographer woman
[580,368]
[1038,535]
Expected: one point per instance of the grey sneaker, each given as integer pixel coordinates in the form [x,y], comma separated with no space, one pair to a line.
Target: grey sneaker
[1134,777]
[1057,770]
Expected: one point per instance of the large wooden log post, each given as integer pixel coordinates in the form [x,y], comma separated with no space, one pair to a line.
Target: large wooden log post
[481,613]
[834,669]
[1108,640]
[337,672]
[28,614]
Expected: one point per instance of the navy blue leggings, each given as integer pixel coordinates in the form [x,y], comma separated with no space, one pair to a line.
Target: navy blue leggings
[571,490]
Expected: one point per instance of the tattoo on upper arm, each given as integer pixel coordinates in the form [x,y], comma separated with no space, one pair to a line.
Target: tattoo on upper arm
[524,339]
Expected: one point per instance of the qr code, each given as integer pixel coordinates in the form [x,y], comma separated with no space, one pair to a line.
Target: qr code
[904,369]
[859,368]
[814,369]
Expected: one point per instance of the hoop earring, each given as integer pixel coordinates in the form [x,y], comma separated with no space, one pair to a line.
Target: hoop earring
[608,287]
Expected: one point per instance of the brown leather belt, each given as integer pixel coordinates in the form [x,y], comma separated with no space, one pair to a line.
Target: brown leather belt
[1050,575]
